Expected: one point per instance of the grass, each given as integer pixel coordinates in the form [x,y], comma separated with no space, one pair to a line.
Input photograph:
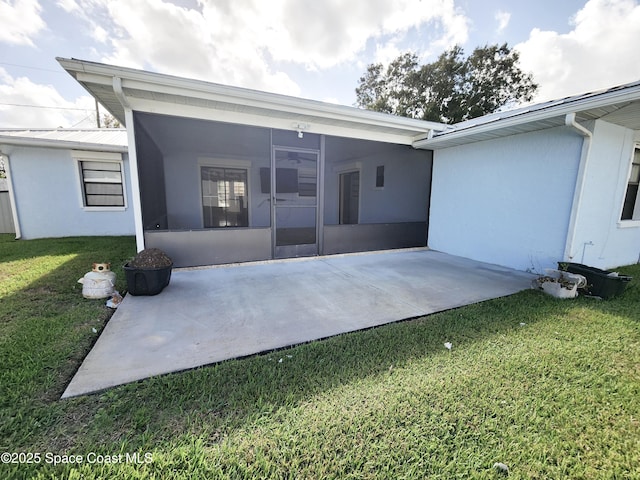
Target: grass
[549,387]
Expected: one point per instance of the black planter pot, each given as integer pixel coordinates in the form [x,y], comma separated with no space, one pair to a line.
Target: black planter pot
[600,283]
[147,281]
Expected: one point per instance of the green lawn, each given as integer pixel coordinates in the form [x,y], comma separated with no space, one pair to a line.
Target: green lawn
[549,387]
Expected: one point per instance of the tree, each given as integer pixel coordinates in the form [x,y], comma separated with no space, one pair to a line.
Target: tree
[109,121]
[451,89]
[106,120]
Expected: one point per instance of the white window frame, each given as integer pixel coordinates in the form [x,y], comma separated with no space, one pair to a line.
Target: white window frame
[634,221]
[111,157]
[226,163]
[350,167]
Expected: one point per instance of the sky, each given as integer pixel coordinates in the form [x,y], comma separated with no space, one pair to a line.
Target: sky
[315,49]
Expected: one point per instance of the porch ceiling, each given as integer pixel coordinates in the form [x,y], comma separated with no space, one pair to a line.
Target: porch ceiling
[175,135]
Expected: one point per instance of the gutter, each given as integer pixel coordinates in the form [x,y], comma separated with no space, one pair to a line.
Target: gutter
[12,196]
[570,121]
[119,93]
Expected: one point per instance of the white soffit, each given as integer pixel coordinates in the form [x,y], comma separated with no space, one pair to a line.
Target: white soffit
[166,94]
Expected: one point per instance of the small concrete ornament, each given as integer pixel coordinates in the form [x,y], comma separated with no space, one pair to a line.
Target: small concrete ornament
[99,282]
[501,468]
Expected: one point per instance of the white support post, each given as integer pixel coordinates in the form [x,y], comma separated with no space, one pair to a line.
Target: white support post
[133,162]
[135,180]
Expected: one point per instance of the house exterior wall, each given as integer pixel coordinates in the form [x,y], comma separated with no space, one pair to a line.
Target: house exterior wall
[184,204]
[48,196]
[403,198]
[506,201]
[602,240]
[392,216]
[151,175]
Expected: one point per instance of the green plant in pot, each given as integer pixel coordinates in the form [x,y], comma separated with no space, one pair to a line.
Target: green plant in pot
[148,272]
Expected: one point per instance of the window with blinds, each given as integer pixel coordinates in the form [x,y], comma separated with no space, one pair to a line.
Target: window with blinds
[102,184]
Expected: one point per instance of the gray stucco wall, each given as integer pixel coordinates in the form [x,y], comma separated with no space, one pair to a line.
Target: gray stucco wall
[152,183]
[184,205]
[48,196]
[405,195]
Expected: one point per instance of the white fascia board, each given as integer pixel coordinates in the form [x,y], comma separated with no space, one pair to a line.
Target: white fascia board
[60,144]
[557,110]
[101,74]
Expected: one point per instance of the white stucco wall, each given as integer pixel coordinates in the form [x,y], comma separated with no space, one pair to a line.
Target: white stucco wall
[601,239]
[506,201]
[48,196]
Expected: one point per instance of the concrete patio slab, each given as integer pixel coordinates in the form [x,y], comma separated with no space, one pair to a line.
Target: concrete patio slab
[214,314]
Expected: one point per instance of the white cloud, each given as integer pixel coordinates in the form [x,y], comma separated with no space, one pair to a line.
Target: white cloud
[601,51]
[21,21]
[503,18]
[68,5]
[387,52]
[18,96]
[441,23]
[325,34]
[100,34]
[249,43]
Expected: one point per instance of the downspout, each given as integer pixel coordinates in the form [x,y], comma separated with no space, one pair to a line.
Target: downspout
[12,197]
[133,162]
[570,121]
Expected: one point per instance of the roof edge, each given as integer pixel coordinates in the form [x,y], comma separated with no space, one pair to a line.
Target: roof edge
[74,66]
[558,108]
[60,144]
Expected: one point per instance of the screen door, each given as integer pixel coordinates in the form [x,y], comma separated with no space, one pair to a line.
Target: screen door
[295,202]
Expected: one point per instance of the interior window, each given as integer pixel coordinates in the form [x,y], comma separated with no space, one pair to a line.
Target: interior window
[630,208]
[224,197]
[380,176]
[349,197]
